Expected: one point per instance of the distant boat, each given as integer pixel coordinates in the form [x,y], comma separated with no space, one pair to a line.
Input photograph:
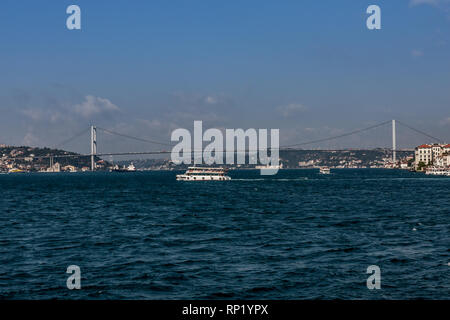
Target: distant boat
[15,170]
[438,171]
[203,174]
[324,170]
[130,168]
[270,167]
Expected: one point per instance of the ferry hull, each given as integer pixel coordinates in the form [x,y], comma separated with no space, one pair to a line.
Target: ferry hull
[438,171]
[183,177]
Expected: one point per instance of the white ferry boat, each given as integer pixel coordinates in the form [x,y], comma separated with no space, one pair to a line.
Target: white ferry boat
[438,171]
[203,174]
[268,167]
[324,170]
[130,168]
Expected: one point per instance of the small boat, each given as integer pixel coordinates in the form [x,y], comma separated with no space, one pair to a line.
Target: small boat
[15,170]
[270,167]
[130,168]
[324,170]
[438,171]
[203,174]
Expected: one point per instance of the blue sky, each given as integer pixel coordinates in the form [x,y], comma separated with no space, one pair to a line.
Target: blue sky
[145,68]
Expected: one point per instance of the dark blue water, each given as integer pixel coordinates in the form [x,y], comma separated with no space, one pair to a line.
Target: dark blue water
[296,235]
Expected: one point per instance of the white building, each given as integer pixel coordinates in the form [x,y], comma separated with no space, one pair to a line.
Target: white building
[435,154]
[69,168]
[55,168]
[423,153]
[443,161]
[437,150]
[446,148]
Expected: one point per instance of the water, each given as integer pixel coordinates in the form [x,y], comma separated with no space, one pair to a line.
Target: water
[296,235]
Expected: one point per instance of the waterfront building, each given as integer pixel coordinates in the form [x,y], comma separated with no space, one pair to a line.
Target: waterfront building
[435,154]
[404,164]
[423,153]
[443,161]
[54,168]
[69,168]
[446,148]
[437,150]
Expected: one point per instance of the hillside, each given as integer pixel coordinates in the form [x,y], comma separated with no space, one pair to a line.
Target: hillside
[305,158]
[30,158]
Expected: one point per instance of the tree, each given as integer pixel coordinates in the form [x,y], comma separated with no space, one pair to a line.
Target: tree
[421,166]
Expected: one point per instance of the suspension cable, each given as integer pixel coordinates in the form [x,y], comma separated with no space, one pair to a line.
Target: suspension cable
[421,132]
[338,136]
[134,138]
[70,139]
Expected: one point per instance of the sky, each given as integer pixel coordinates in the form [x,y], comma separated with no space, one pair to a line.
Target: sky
[145,68]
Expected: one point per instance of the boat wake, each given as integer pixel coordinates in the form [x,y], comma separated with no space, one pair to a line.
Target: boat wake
[267,179]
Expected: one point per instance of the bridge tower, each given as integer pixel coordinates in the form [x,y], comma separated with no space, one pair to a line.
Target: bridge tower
[394,143]
[93,146]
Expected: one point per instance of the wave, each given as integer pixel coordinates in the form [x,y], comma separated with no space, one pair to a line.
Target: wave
[281,179]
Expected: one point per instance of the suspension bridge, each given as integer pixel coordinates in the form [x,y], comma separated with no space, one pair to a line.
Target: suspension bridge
[292,147]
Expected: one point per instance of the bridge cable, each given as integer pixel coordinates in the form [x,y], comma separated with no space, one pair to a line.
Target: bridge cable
[134,138]
[421,132]
[338,136]
[70,139]
[287,147]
